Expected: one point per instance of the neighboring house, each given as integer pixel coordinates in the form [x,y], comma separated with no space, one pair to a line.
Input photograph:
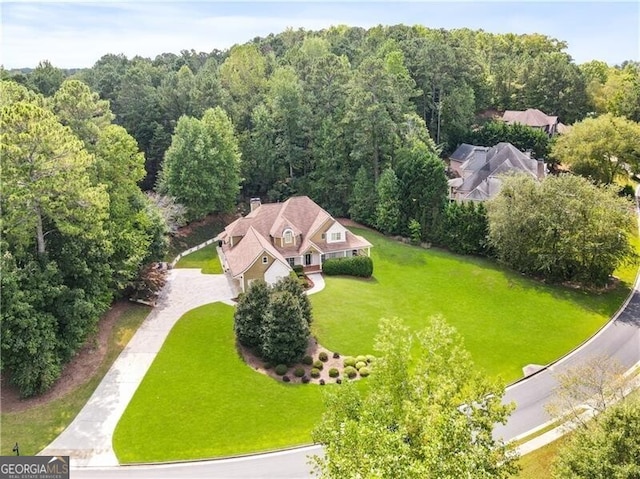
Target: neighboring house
[535,119]
[477,170]
[274,237]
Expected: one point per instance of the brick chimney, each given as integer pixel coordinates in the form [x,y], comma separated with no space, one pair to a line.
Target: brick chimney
[255,203]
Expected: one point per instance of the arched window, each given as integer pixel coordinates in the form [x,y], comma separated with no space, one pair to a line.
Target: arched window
[288,236]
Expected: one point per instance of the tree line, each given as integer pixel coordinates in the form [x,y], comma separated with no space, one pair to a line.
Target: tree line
[356,119]
[312,107]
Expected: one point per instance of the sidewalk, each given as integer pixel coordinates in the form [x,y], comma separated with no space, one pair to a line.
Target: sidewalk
[88,439]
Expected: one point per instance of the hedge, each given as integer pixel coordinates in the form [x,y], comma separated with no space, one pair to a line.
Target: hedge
[361,266]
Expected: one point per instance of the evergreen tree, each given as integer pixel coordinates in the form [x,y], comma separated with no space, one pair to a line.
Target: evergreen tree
[249,315]
[285,332]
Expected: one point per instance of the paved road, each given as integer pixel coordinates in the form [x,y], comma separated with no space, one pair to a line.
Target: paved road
[620,339]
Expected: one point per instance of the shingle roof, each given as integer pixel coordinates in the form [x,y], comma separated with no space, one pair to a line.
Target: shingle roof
[480,172]
[531,117]
[299,213]
[254,245]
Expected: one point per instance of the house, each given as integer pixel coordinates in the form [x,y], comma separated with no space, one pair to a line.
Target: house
[536,119]
[477,170]
[274,237]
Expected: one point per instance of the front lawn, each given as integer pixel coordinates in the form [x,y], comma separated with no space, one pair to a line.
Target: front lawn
[507,320]
[205,259]
[199,399]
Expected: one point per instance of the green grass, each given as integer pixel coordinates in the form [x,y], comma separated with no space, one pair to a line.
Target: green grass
[199,232]
[507,320]
[36,427]
[537,464]
[199,399]
[205,259]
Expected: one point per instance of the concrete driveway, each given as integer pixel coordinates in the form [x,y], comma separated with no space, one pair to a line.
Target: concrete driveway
[88,439]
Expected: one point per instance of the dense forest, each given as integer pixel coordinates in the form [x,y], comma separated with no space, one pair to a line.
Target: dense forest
[356,119]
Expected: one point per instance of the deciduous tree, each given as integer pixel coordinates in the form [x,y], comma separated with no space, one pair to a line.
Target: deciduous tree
[562,229]
[430,418]
[201,168]
[600,148]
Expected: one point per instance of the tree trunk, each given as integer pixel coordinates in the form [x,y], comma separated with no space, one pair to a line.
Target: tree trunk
[39,231]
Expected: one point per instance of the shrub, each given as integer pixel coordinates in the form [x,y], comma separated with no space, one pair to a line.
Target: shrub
[361,359]
[267,365]
[305,379]
[298,269]
[360,365]
[324,357]
[361,266]
[370,358]
[281,369]
[322,382]
[364,372]
[286,379]
[318,364]
[334,373]
[336,355]
[315,373]
[299,372]
[308,360]
[338,381]
[350,372]
[349,361]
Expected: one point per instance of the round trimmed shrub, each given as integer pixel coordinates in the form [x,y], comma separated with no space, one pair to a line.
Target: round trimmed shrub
[349,361]
[318,364]
[360,365]
[299,372]
[336,355]
[286,379]
[350,372]
[364,372]
[281,369]
[370,358]
[308,360]
[334,373]
[267,365]
[361,359]
[305,379]
[322,382]
[338,381]
[324,357]
[315,373]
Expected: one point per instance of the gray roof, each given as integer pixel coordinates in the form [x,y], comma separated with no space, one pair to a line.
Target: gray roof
[482,167]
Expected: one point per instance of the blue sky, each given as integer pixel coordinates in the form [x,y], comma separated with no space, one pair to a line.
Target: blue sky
[77,34]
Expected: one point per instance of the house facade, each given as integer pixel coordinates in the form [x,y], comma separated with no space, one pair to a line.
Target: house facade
[274,237]
[476,170]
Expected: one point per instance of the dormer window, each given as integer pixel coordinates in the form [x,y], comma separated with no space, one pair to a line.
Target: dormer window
[336,236]
[288,236]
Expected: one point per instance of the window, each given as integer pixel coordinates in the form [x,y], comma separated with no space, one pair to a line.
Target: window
[291,261]
[265,259]
[324,236]
[288,236]
[336,236]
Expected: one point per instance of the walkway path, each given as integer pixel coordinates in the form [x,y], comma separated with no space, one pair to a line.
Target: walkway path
[89,437]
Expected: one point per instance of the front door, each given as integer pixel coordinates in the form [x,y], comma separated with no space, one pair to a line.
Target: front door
[307,259]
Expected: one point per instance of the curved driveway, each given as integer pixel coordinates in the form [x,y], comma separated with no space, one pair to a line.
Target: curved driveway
[619,339]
